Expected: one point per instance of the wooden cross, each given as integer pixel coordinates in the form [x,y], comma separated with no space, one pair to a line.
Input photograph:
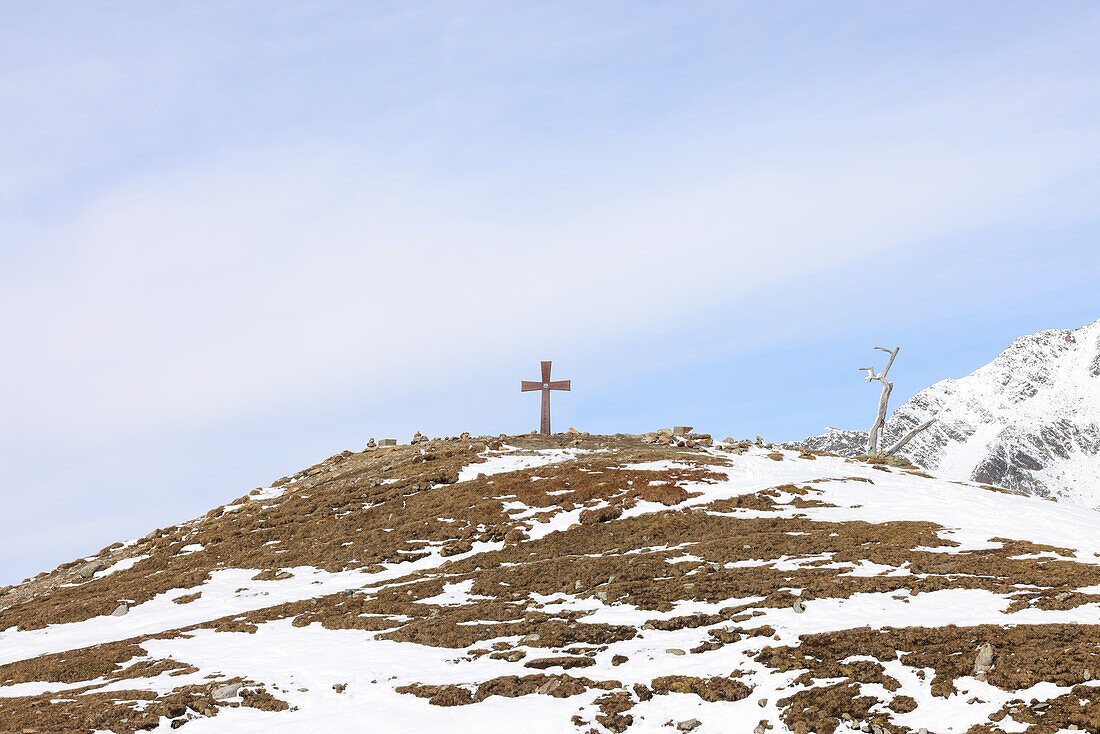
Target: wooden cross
[546,386]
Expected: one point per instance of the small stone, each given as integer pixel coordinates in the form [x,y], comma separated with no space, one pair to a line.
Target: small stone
[664,432]
[675,651]
[577,584]
[229,690]
[866,725]
[1063,596]
[371,444]
[762,703]
[573,431]
[530,639]
[339,687]
[688,725]
[984,662]
[120,611]
[845,717]
[1073,727]
[799,606]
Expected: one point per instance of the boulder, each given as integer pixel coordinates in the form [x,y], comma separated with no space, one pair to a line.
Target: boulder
[229,690]
[88,569]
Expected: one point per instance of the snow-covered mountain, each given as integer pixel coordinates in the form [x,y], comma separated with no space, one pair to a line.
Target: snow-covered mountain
[1028,421]
[574,584]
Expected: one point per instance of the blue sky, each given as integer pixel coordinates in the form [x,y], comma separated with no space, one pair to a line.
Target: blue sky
[239,237]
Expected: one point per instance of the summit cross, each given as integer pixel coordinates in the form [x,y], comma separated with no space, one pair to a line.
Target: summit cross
[546,386]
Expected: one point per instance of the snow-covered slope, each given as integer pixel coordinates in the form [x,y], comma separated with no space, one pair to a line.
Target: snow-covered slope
[575,584]
[1029,420]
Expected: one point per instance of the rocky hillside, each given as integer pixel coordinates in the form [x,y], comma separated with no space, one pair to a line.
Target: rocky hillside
[575,583]
[1028,421]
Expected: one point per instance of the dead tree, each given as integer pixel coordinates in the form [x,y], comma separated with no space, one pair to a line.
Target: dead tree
[883,402]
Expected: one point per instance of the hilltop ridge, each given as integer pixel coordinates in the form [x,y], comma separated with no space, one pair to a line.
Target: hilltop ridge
[599,583]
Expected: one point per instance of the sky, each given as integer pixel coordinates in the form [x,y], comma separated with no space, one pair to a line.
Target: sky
[239,237]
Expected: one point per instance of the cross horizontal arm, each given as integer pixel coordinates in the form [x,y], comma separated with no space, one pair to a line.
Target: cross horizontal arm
[528,386]
[560,385]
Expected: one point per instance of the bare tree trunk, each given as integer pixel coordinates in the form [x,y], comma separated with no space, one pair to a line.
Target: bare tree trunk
[884,399]
[907,437]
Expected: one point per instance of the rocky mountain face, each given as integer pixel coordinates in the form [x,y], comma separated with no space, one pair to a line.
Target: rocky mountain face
[1027,421]
[575,583]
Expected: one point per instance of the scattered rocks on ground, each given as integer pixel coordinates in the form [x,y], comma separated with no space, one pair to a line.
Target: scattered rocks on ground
[120,611]
[688,725]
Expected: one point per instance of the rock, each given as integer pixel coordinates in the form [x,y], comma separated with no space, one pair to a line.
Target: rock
[549,686]
[1063,596]
[120,611]
[922,730]
[762,703]
[88,570]
[664,432]
[675,651]
[664,440]
[762,727]
[229,690]
[339,687]
[799,606]
[866,725]
[688,725]
[387,442]
[984,662]
[529,639]
[573,431]
[371,444]
[418,438]
[681,430]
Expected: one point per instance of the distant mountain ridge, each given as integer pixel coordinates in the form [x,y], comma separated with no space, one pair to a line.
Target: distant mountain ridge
[1027,421]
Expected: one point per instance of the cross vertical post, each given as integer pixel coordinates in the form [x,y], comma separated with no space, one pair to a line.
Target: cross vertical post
[545,385]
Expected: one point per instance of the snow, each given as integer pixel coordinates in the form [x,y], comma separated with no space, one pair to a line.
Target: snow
[122,565]
[508,460]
